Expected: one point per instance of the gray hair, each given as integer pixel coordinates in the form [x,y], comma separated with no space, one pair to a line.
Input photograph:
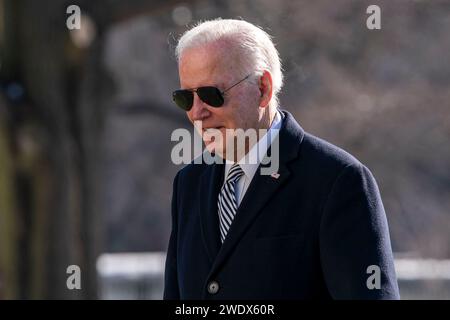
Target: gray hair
[257,52]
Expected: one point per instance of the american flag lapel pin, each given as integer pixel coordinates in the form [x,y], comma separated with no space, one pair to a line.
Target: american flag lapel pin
[275,175]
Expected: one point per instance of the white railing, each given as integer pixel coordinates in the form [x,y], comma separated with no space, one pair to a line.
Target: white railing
[131,275]
[140,276]
[422,269]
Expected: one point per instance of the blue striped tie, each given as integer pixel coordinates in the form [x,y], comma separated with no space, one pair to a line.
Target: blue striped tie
[227,203]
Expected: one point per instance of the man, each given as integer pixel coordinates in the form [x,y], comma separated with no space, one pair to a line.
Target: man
[315,228]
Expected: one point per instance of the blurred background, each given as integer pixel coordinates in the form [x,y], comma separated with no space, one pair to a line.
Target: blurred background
[86,117]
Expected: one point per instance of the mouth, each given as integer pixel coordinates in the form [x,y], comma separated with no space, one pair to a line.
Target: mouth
[213,134]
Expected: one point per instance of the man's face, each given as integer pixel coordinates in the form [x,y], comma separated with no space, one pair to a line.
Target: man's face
[214,65]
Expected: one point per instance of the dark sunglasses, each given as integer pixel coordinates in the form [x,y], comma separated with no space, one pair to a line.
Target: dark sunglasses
[209,95]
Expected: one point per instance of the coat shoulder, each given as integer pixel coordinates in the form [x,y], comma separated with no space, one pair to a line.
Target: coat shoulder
[326,155]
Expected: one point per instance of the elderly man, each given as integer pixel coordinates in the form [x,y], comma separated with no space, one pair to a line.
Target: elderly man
[314,228]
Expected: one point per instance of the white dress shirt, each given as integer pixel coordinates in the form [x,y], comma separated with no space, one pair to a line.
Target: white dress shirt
[250,163]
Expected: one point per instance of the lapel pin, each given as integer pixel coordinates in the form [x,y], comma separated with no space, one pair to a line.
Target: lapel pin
[275,175]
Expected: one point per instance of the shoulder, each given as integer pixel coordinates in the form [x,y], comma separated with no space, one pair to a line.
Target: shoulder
[333,168]
[313,151]
[324,162]
[326,154]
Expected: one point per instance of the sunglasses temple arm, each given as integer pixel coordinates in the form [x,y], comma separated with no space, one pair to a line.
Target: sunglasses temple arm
[234,85]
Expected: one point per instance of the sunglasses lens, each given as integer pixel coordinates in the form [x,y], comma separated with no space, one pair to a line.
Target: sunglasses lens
[183,99]
[211,96]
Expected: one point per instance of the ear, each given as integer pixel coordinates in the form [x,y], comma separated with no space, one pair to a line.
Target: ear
[265,89]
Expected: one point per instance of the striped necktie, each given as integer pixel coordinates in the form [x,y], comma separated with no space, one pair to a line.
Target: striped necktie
[227,203]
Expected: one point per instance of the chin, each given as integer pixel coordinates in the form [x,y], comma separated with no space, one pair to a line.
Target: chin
[211,147]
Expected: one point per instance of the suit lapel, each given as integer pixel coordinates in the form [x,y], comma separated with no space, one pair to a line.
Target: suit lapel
[210,184]
[262,188]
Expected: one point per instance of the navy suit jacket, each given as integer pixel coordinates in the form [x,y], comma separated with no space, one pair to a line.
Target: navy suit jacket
[310,234]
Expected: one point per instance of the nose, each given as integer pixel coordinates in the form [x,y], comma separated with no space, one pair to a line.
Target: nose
[199,111]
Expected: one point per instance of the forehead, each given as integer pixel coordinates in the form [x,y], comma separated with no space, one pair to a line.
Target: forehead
[206,64]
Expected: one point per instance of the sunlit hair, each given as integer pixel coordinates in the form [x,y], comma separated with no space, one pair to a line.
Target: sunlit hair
[256,51]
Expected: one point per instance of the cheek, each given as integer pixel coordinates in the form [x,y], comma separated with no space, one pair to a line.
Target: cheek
[189,115]
[246,107]
[249,99]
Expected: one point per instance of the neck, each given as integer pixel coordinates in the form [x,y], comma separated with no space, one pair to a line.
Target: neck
[269,116]
[265,123]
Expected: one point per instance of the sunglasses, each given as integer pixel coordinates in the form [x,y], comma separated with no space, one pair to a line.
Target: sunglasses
[209,95]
